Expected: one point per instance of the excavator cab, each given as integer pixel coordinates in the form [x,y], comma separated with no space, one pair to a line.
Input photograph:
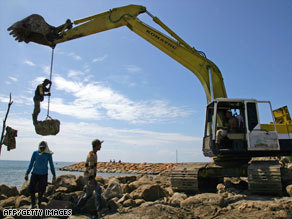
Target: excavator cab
[233,131]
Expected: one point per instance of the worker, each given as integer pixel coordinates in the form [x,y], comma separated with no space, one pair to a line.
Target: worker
[232,127]
[41,91]
[89,175]
[39,176]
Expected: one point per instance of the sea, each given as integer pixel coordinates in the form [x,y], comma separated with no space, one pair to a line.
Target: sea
[12,172]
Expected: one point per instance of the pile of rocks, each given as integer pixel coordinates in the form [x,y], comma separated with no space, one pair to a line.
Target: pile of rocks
[144,196]
[119,167]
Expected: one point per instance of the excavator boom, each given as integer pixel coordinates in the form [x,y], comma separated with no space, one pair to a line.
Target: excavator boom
[35,29]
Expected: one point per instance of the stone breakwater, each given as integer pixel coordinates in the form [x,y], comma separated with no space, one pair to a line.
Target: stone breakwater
[147,197]
[116,167]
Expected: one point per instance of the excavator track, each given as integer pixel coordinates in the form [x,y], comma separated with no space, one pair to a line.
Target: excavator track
[264,177]
[184,178]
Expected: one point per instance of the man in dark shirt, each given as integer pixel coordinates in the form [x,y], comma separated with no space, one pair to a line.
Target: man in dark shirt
[41,91]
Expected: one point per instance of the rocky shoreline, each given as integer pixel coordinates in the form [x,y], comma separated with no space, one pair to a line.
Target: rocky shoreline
[147,197]
[120,167]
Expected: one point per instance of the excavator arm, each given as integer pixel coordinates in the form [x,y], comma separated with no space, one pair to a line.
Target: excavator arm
[42,33]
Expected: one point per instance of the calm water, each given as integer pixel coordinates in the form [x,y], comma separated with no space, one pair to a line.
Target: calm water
[12,172]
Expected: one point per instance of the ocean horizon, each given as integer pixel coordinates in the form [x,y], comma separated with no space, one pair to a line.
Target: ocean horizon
[12,172]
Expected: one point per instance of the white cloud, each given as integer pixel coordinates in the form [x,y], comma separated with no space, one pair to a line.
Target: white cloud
[16,99]
[74,73]
[71,54]
[133,69]
[100,59]
[76,57]
[73,142]
[94,101]
[46,70]
[28,62]
[13,78]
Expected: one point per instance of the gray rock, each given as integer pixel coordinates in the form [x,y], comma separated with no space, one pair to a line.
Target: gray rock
[24,190]
[72,197]
[125,188]
[141,180]
[2,197]
[129,203]
[124,198]
[126,179]
[68,181]
[149,193]
[177,198]
[169,191]
[289,190]
[61,189]
[139,201]
[78,217]
[50,190]
[203,199]
[113,190]
[59,204]
[8,202]
[22,200]
[8,190]
[80,182]
[100,180]
[113,205]
[221,188]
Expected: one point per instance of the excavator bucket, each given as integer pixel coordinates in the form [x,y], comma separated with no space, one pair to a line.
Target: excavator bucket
[35,29]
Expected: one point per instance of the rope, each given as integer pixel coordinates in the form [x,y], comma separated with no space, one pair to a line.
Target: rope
[51,73]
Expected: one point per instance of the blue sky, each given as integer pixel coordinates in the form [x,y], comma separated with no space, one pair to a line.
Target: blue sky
[117,87]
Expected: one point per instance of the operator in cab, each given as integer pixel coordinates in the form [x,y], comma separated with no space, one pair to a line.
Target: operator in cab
[232,127]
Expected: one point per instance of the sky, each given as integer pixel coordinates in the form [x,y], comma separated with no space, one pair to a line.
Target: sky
[119,88]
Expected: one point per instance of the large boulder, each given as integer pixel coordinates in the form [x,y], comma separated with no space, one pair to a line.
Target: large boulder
[68,181]
[22,200]
[124,198]
[9,202]
[141,180]
[203,199]
[149,193]
[129,203]
[59,204]
[50,190]
[8,190]
[113,205]
[125,188]
[73,196]
[126,179]
[80,182]
[289,190]
[114,189]
[24,190]
[177,198]
[100,180]
[162,180]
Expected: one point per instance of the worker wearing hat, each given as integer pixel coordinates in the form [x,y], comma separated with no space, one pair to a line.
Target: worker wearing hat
[41,91]
[90,174]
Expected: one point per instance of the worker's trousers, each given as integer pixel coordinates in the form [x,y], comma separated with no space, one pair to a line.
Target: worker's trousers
[92,185]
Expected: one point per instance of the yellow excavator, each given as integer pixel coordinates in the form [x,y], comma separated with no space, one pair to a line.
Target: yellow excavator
[232,147]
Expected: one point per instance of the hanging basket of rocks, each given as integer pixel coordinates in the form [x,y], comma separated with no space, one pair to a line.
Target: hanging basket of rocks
[47,127]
